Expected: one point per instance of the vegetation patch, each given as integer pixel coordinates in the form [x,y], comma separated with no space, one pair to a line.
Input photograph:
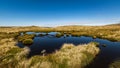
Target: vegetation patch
[8,35]
[111,33]
[27,41]
[42,35]
[69,56]
[59,35]
[115,64]
[25,36]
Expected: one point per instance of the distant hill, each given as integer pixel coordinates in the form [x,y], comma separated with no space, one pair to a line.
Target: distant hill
[117,24]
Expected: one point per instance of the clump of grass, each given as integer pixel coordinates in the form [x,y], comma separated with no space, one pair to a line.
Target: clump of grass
[27,41]
[69,56]
[25,36]
[42,35]
[10,54]
[115,64]
[94,37]
[95,43]
[59,35]
[104,45]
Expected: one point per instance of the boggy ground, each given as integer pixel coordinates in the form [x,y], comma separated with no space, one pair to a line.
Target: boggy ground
[69,56]
[11,55]
[15,57]
[110,32]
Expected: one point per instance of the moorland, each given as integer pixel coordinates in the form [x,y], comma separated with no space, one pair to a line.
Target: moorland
[69,56]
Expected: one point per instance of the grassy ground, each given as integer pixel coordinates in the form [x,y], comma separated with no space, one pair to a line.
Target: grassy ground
[111,32]
[106,32]
[69,56]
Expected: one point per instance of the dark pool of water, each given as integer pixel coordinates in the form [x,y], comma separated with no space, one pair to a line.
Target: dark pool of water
[50,43]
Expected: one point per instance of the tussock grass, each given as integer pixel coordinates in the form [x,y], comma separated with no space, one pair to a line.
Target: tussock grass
[69,56]
[28,41]
[25,36]
[10,54]
[59,35]
[8,35]
[115,64]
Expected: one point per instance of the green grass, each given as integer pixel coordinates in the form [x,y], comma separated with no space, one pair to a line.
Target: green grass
[27,41]
[23,38]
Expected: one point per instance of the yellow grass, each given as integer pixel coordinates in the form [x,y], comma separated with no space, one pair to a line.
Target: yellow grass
[106,32]
[69,56]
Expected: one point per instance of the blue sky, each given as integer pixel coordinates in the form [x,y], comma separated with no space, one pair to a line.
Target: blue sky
[59,12]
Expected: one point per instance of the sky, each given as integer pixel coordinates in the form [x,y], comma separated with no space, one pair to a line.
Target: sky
[59,12]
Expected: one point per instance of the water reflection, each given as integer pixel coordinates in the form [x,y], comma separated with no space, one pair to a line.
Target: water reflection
[49,42]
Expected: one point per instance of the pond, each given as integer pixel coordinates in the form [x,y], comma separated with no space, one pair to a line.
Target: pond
[109,51]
